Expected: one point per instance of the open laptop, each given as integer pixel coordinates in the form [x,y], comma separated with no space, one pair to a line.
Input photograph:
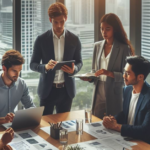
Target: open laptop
[26,118]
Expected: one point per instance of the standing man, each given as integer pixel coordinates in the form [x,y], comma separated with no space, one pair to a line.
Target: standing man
[134,120]
[13,89]
[56,88]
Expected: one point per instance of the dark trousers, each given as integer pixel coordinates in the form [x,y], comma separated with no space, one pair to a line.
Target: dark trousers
[57,97]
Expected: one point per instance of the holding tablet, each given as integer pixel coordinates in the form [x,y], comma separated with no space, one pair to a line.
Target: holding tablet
[62,63]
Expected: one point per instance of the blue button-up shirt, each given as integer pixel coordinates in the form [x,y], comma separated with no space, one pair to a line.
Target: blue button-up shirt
[11,96]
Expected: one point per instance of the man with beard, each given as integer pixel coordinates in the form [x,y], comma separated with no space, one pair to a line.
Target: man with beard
[13,89]
[134,120]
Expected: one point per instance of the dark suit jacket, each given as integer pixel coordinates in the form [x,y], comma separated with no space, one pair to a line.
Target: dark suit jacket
[141,128]
[44,51]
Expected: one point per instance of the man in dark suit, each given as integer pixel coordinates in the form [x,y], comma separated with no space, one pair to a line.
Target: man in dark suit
[134,120]
[56,88]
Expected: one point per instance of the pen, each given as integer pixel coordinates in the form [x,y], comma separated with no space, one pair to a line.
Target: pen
[60,124]
[57,125]
[50,123]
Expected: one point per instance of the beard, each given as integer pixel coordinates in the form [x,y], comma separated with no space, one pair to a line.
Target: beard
[12,78]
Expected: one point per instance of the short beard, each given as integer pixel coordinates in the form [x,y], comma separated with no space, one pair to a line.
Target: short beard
[10,78]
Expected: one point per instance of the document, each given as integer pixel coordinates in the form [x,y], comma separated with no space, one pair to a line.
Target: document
[104,144]
[28,140]
[108,137]
[62,63]
[97,130]
[98,145]
[87,75]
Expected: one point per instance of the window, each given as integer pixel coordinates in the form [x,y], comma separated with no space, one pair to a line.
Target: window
[33,31]
[6,27]
[145,32]
[81,23]
[122,10]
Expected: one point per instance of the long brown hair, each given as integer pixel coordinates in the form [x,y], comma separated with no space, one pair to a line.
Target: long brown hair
[119,32]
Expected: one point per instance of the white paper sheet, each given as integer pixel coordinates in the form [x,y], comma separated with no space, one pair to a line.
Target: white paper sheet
[104,144]
[107,136]
[95,145]
[28,140]
[97,130]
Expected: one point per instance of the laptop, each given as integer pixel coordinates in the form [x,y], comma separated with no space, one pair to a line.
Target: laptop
[26,118]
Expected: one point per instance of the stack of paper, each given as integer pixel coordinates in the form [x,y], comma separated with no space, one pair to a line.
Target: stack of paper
[86,75]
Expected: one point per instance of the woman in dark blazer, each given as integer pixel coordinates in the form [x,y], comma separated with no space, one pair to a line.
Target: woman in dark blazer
[108,64]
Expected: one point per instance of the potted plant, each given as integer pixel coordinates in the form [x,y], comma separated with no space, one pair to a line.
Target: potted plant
[76,147]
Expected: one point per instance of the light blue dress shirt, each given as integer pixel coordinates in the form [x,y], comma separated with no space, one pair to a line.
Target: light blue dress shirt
[11,96]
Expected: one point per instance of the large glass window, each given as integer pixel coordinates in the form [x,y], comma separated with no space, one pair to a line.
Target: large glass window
[145,33]
[81,22]
[35,21]
[122,9]
[6,26]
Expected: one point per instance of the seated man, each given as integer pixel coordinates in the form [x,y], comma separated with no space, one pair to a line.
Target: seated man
[13,89]
[134,120]
[6,138]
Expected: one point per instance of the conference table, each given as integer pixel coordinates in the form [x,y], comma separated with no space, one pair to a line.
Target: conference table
[72,136]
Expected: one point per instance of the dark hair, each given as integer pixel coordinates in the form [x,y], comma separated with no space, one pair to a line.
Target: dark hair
[57,9]
[119,32]
[140,65]
[12,57]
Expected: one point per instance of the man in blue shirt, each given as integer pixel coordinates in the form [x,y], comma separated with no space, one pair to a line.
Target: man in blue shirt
[13,89]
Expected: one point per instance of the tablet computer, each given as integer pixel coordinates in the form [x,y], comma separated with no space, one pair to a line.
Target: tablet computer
[62,63]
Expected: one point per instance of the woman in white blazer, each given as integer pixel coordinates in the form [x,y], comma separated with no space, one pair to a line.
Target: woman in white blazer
[108,64]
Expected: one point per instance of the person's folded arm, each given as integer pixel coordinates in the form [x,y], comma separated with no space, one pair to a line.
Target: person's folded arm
[138,131]
[120,118]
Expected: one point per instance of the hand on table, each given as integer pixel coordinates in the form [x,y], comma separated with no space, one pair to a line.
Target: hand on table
[7,147]
[9,117]
[7,136]
[110,122]
[67,69]
[50,65]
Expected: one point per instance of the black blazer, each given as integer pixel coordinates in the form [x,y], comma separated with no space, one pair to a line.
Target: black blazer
[44,51]
[141,128]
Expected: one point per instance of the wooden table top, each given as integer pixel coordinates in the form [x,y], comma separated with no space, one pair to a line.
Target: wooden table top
[72,136]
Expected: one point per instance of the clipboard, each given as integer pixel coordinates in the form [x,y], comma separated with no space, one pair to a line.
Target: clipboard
[62,63]
[86,75]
